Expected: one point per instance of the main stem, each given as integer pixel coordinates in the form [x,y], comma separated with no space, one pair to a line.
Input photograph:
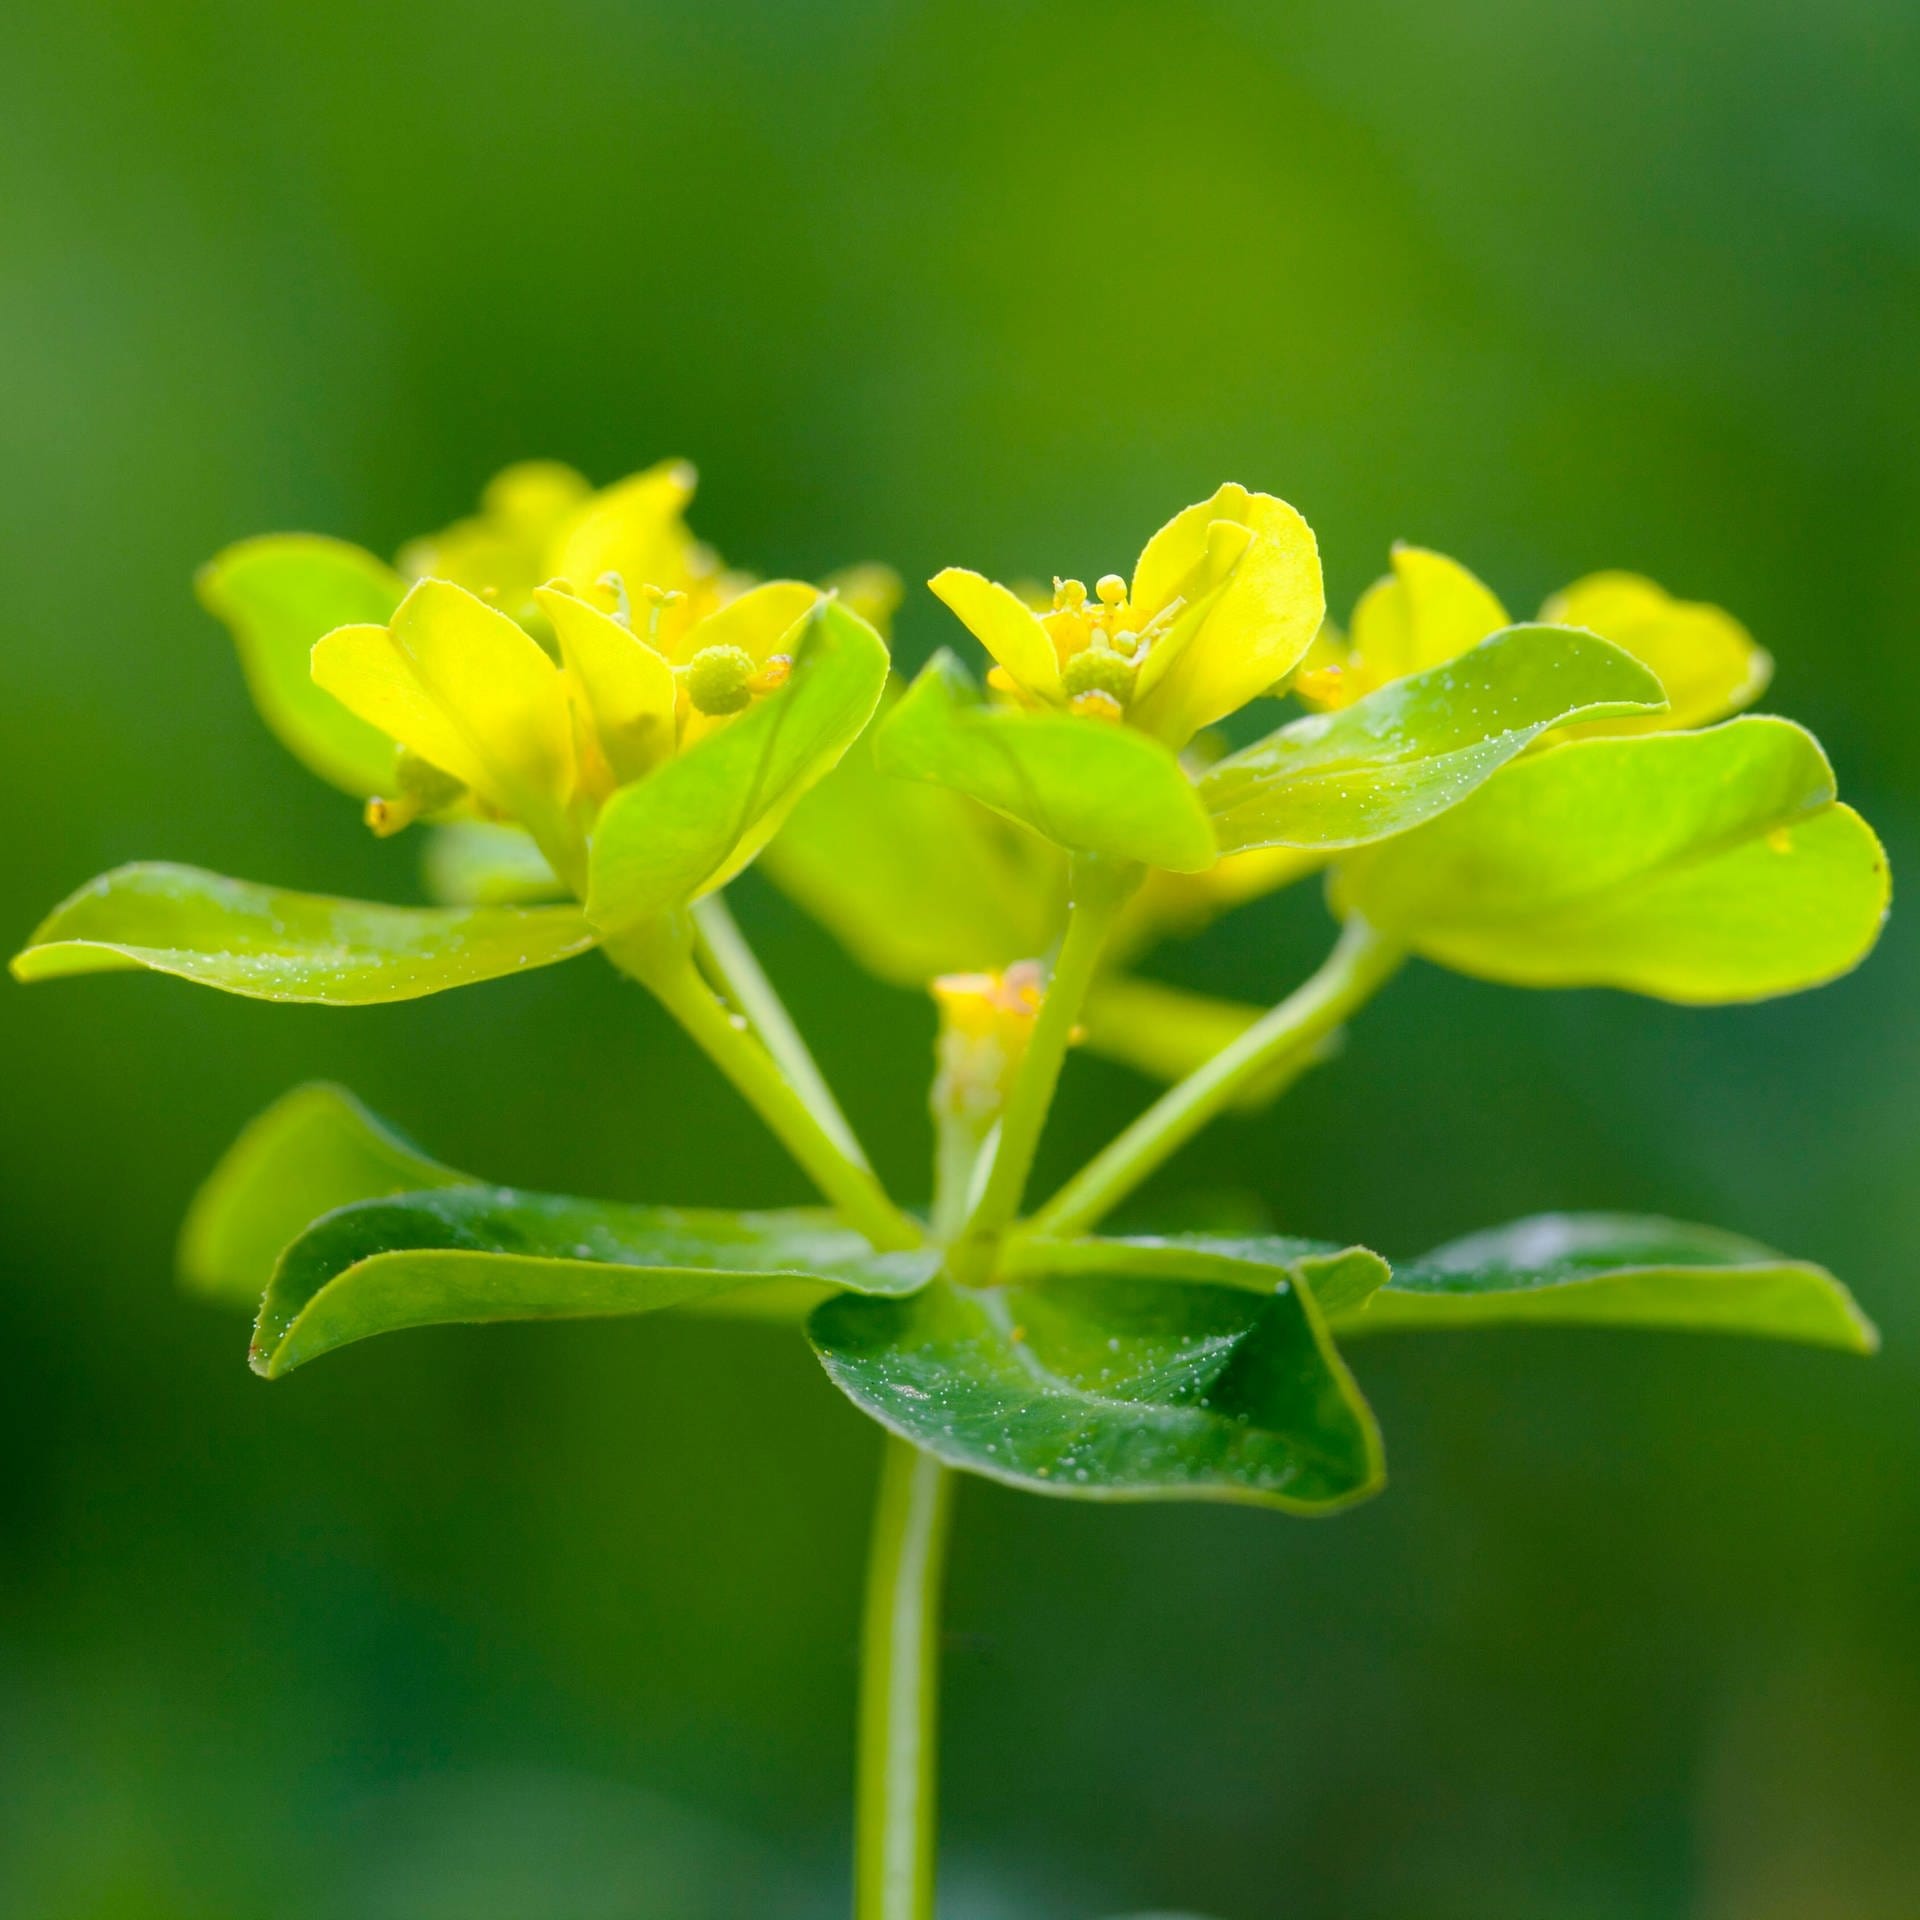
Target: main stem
[1359,965]
[663,963]
[894,1806]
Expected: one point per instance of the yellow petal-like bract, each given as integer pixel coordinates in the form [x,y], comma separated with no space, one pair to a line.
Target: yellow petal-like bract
[1705,659]
[469,690]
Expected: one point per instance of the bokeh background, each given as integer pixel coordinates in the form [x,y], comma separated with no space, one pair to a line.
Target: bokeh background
[558,1623]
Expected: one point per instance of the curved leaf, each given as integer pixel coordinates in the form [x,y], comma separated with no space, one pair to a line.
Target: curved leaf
[1697,867]
[916,880]
[314,1149]
[1104,1387]
[695,823]
[272,945]
[1420,745]
[277,595]
[1614,1270]
[1337,1278]
[471,1253]
[1085,785]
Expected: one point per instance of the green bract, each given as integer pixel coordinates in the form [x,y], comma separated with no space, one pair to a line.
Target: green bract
[1419,745]
[272,945]
[278,594]
[696,822]
[1700,867]
[601,725]
[1084,785]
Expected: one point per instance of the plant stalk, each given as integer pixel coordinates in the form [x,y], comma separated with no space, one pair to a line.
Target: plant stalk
[1360,964]
[1100,888]
[895,1807]
[661,959]
[737,970]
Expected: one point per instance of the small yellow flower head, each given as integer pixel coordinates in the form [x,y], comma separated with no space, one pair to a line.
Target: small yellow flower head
[986,1021]
[1225,599]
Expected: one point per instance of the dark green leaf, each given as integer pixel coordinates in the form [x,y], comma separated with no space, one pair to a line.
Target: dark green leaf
[277,595]
[1100,1387]
[314,1149]
[273,945]
[691,826]
[1085,785]
[1604,1269]
[466,1254]
[1698,867]
[1420,745]
[1337,1277]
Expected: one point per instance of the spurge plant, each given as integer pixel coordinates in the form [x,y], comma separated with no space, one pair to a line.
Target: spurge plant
[599,725]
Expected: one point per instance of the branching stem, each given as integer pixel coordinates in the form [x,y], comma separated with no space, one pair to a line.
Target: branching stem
[1360,964]
[661,959]
[1100,888]
[734,965]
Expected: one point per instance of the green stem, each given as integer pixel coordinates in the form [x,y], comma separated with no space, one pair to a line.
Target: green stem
[661,959]
[1360,964]
[1100,888]
[737,969]
[894,1835]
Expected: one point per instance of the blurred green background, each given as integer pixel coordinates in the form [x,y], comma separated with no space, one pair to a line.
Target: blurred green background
[558,1623]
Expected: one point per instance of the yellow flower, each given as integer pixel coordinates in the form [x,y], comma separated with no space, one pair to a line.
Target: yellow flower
[1224,600]
[470,693]
[1430,609]
[505,550]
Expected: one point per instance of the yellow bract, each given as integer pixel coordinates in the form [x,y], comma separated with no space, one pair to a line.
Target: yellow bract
[506,549]
[1706,660]
[1225,599]
[1427,611]
[1430,610]
[465,688]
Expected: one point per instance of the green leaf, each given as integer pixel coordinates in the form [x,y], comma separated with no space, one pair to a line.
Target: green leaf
[1114,1387]
[1420,745]
[470,1254]
[691,826]
[271,945]
[1166,1032]
[1697,867]
[1337,1278]
[479,863]
[277,595]
[1614,1270]
[314,1149]
[916,880]
[1085,785]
